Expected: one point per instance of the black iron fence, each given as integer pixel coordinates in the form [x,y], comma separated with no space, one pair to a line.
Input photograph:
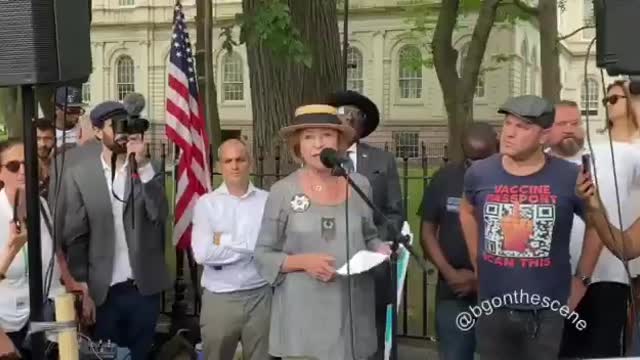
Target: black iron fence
[416,319]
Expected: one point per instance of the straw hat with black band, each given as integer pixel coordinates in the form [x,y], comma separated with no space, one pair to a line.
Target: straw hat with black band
[317,116]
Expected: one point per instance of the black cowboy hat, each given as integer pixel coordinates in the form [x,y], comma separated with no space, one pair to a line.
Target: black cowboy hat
[368,108]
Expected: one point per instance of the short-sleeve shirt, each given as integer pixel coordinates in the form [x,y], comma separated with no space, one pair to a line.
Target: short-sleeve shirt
[524,231]
[441,207]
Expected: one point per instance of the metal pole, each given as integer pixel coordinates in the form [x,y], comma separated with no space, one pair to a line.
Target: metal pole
[36,296]
[345,43]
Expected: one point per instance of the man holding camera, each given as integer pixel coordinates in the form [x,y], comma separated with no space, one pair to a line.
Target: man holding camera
[113,234]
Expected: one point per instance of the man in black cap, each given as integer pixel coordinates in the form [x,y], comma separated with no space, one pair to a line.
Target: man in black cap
[69,108]
[112,230]
[516,216]
[379,167]
[443,243]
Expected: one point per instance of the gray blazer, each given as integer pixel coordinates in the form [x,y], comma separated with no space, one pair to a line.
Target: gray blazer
[86,228]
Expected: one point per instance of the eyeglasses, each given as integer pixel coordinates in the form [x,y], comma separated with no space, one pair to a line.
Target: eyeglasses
[13,166]
[613,99]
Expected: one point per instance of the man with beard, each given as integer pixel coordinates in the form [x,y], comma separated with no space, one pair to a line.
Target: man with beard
[45,135]
[69,108]
[119,256]
[604,305]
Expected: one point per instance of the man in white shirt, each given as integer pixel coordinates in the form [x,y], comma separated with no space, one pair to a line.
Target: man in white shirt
[604,305]
[236,304]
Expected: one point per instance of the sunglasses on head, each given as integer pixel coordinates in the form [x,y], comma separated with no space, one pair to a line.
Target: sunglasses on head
[13,166]
[613,99]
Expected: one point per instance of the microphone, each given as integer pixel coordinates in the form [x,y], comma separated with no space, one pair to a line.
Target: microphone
[331,159]
[134,103]
[634,86]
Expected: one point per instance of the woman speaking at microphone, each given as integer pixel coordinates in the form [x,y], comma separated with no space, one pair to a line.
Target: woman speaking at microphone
[303,240]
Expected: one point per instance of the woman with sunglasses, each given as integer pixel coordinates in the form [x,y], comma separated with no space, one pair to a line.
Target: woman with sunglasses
[14,287]
[622,119]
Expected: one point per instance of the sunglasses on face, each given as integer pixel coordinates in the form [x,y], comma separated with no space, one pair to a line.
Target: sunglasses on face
[13,166]
[613,99]
[73,111]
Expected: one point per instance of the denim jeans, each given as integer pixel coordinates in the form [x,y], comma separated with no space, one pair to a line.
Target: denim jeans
[509,334]
[453,343]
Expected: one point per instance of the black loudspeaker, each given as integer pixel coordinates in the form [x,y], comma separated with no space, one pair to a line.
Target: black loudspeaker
[616,43]
[44,42]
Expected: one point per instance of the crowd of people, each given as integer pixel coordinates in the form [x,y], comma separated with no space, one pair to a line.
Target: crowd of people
[521,212]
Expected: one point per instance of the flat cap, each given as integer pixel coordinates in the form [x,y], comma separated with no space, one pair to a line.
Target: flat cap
[531,108]
[69,96]
[107,110]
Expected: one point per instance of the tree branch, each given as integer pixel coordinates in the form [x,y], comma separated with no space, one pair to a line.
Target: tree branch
[531,10]
[477,47]
[564,37]
[444,55]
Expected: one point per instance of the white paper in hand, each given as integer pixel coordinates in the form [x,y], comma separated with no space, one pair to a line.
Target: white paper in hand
[362,261]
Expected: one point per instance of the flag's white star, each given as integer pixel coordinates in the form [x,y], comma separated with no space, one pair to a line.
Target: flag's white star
[179,54]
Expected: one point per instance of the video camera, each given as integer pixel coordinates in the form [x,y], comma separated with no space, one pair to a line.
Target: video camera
[134,124]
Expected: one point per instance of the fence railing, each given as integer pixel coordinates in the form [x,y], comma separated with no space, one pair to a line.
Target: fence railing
[416,318]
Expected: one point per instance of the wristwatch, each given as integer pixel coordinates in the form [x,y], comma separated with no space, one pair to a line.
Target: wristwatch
[586,280]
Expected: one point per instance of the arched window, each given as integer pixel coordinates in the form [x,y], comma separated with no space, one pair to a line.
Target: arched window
[524,73]
[232,77]
[480,86]
[534,71]
[125,76]
[410,72]
[589,98]
[355,70]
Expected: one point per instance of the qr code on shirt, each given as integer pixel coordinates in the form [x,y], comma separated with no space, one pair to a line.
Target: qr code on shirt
[531,238]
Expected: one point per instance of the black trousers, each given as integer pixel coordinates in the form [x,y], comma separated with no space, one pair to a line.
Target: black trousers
[604,308]
[509,334]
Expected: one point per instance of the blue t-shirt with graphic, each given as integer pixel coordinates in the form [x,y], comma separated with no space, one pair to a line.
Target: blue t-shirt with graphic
[524,231]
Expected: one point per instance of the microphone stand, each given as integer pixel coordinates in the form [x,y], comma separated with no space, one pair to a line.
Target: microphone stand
[398,239]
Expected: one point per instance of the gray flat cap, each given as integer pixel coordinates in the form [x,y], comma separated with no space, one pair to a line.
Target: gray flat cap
[107,110]
[531,108]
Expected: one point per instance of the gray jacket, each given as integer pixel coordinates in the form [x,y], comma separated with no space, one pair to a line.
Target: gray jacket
[85,228]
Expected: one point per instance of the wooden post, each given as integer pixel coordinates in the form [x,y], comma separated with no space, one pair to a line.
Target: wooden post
[67,339]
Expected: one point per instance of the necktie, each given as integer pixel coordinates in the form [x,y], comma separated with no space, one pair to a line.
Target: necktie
[349,164]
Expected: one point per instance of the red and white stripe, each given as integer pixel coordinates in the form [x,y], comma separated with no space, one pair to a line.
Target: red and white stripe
[186,128]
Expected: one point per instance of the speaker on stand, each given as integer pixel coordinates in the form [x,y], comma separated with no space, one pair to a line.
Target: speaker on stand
[42,42]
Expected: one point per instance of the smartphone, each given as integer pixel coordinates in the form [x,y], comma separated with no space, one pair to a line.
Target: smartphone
[586,163]
[19,209]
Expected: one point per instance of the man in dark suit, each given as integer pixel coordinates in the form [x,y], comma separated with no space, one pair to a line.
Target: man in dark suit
[113,232]
[379,167]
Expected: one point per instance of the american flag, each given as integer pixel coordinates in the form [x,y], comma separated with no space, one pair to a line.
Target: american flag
[186,128]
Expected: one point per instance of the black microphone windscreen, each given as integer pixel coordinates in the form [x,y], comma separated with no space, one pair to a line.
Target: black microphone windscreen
[634,87]
[329,158]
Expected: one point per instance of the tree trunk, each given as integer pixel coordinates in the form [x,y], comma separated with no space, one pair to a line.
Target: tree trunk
[279,85]
[549,49]
[204,66]
[11,110]
[458,90]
